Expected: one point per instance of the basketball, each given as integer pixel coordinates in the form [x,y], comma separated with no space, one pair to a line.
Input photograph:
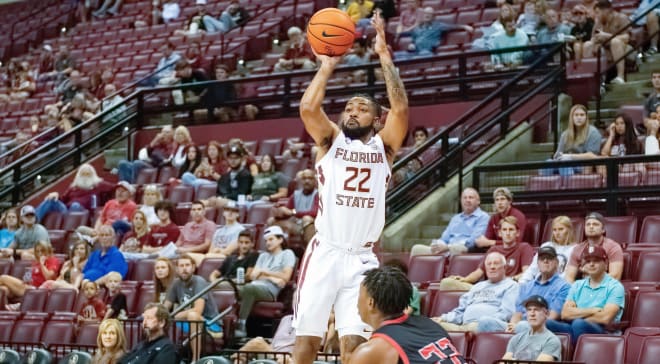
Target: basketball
[330,32]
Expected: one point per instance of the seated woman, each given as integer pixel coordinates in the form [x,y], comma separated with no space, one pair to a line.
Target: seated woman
[163,277]
[192,161]
[580,140]
[9,223]
[140,228]
[652,125]
[111,342]
[268,184]
[622,140]
[212,167]
[71,271]
[150,196]
[44,267]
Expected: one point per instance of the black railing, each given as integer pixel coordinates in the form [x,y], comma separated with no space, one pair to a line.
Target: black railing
[601,72]
[609,184]
[446,153]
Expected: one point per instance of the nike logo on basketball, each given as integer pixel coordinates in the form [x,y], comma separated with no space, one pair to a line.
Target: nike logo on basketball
[329,35]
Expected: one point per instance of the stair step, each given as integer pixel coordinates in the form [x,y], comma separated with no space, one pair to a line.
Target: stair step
[432,231]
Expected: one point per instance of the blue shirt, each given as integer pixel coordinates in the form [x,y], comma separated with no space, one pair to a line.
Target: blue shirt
[610,291]
[485,299]
[426,36]
[466,228]
[6,238]
[99,265]
[554,291]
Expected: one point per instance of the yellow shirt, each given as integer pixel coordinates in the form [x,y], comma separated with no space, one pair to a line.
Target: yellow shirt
[357,11]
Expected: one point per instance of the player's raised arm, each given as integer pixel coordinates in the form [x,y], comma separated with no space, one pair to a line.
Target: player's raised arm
[317,124]
[396,124]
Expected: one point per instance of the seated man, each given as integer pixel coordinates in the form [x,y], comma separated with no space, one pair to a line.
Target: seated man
[593,303]
[105,260]
[463,229]
[488,305]
[119,211]
[594,233]
[238,180]
[536,343]
[609,22]
[297,217]
[26,236]
[165,233]
[518,257]
[245,257]
[511,37]
[298,54]
[503,208]
[196,235]
[225,238]
[548,284]
[554,30]
[427,35]
[234,16]
[650,21]
[270,274]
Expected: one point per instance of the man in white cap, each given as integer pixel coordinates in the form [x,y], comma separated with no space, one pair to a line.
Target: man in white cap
[27,235]
[273,270]
[119,211]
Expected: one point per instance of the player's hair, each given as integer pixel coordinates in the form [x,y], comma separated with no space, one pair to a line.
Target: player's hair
[377,108]
[390,289]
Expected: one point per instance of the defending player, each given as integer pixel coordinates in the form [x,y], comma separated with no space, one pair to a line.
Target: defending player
[398,338]
[353,169]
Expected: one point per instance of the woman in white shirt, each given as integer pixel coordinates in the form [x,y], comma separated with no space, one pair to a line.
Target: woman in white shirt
[563,240]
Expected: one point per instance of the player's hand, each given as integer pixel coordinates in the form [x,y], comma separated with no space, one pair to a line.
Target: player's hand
[327,61]
[378,23]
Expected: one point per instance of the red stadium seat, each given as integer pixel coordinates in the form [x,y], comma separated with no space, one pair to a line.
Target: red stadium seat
[52,220]
[165,173]
[444,301]
[648,267]
[5,265]
[143,270]
[650,351]
[87,334]
[75,219]
[146,295]
[622,229]
[146,176]
[259,213]
[463,264]
[543,183]
[592,348]
[532,231]
[208,265]
[181,194]
[34,300]
[629,179]
[461,341]
[489,346]
[61,300]
[58,332]
[206,191]
[28,331]
[6,327]
[426,268]
[634,338]
[645,311]
[583,181]
[270,146]
[650,231]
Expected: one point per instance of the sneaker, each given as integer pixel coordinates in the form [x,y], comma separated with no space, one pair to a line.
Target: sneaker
[617,81]
[651,51]
[13,306]
[240,334]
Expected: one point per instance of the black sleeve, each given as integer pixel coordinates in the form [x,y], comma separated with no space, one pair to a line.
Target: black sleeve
[118,303]
[245,16]
[245,183]
[225,268]
[223,185]
[252,259]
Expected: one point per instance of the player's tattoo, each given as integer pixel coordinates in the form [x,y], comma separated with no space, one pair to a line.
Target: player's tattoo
[394,84]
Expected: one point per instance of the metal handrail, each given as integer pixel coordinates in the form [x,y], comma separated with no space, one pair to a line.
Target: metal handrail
[204,291]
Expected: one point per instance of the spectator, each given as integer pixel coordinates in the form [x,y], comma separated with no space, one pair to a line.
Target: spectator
[116,300]
[151,195]
[108,7]
[248,162]
[118,211]
[185,74]
[44,267]
[9,225]
[511,37]
[110,102]
[225,238]
[426,36]
[653,100]
[69,87]
[359,55]
[165,233]
[244,257]
[158,153]
[171,11]
[594,302]
[580,140]
[22,84]
[298,55]
[219,94]
[196,235]
[650,20]
[133,240]
[28,235]
[157,346]
[536,343]
[86,192]
[238,180]
[111,342]
[547,284]
[234,16]
[166,64]
[184,287]
[46,62]
[64,63]
[270,274]
[192,162]
[488,305]
[195,25]
[463,228]
[553,31]
[105,260]
[419,135]
[359,9]
[297,217]
[594,233]
[415,298]
[411,14]
[622,140]
[163,278]
[71,272]
[503,207]
[211,168]
[563,241]
[486,41]
[529,20]
[581,31]
[609,22]
[195,58]
[518,257]
[651,142]
[182,139]
[268,184]
[93,310]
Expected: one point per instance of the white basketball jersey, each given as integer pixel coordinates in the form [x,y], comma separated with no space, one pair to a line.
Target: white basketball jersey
[352,182]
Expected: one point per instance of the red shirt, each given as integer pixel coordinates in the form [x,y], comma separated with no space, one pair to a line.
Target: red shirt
[84,197]
[52,263]
[94,308]
[517,256]
[197,233]
[611,247]
[113,211]
[160,236]
[494,224]
[142,240]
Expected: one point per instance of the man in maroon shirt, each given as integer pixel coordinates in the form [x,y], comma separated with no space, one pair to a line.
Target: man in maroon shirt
[518,258]
[503,199]
[163,236]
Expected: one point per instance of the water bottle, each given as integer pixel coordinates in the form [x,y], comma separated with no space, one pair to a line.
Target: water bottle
[94,205]
[240,275]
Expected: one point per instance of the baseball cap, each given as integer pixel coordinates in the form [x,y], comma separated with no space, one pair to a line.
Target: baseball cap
[127,186]
[200,2]
[27,210]
[536,300]
[231,205]
[273,230]
[594,252]
[595,216]
[547,251]
[235,150]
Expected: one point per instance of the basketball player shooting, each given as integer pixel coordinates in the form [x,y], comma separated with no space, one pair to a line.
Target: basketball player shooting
[353,168]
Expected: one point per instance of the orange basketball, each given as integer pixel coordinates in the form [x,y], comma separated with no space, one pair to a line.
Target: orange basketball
[330,32]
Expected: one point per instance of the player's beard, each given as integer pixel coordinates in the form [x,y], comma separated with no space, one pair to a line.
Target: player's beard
[357,132]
